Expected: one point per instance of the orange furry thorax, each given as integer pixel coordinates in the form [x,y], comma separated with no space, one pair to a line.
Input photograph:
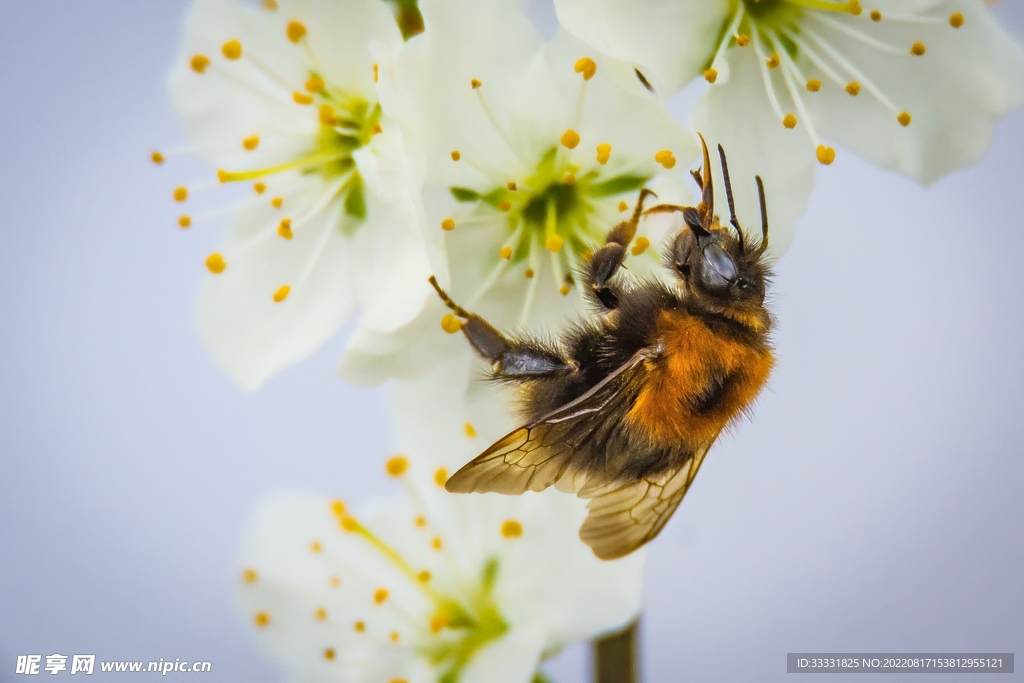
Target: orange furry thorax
[701,382]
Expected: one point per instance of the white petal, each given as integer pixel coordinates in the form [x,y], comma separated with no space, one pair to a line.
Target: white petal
[513,658]
[737,116]
[968,79]
[253,337]
[670,41]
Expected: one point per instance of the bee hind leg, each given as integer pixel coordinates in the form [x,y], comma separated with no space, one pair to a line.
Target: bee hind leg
[607,260]
[510,358]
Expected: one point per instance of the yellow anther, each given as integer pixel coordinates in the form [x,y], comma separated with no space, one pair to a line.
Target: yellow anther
[157,158]
[505,205]
[456,155]
[569,179]
[570,138]
[564,290]
[281,294]
[314,85]
[421,521]
[789,121]
[377,129]
[326,115]
[436,544]
[284,228]
[918,49]
[348,523]
[904,118]
[604,153]
[511,185]
[223,176]
[438,622]
[623,206]
[380,595]
[876,15]
[276,202]
[262,619]
[505,253]
[296,31]
[269,5]
[250,576]
[184,221]
[440,476]
[338,507]
[198,63]
[853,88]
[335,582]
[640,246]
[259,188]
[773,61]
[394,636]
[469,429]
[711,75]
[215,263]
[529,273]
[321,614]
[450,324]
[231,49]
[376,73]
[956,20]
[315,546]
[329,654]
[826,155]
[359,626]
[448,224]
[475,84]
[814,85]
[302,98]
[743,40]
[855,8]
[180,194]
[396,466]
[554,243]
[665,158]
[398,680]
[511,528]
[585,66]
[251,142]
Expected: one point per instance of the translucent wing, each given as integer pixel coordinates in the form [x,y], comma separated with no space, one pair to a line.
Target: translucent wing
[626,515]
[544,452]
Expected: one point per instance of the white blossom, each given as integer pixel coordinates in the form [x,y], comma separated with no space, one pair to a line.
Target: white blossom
[531,151]
[429,586]
[283,99]
[913,86]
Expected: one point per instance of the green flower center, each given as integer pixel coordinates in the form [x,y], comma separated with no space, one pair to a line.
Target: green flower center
[554,208]
[347,123]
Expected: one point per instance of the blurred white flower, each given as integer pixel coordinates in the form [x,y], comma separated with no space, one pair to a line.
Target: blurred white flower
[911,85]
[283,99]
[428,587]
[531,151]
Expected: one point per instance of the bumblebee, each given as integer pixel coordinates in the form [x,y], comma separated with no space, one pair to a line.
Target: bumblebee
[624,407]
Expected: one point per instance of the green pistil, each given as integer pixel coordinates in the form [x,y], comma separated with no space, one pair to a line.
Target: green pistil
[472,626]
[553,202]
[346,124]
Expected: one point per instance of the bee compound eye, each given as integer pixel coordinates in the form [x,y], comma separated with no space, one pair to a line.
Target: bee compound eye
[721,263]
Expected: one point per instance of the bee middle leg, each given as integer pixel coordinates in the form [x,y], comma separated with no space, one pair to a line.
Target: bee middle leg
[510,358]
[607,260]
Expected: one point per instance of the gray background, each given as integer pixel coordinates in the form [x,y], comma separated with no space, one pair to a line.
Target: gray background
[874,504]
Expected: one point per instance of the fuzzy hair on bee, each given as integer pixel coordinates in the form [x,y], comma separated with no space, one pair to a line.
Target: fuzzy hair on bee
[623,407]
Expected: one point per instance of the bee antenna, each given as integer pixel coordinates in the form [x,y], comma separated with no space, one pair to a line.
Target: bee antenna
[708,196]
[764,216]
[458,310]
[732,204]
[691,216]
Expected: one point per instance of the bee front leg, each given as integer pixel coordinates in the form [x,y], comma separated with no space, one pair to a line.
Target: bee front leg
[510,358]
[603,265]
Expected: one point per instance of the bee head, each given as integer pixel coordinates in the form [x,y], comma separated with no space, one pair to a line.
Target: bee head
[714,262]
